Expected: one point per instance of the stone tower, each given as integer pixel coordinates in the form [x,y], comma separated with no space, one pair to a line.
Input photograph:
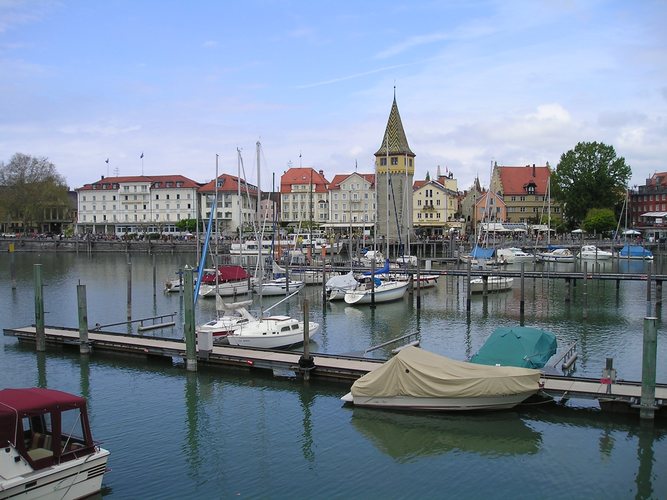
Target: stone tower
[394,170]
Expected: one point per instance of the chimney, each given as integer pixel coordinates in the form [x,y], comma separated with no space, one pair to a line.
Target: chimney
[321,173]
[102,178]
[533,170]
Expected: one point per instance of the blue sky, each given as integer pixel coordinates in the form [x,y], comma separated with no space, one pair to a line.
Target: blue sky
[476,82]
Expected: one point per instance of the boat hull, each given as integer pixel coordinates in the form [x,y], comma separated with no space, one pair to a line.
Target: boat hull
[383,293]
[273,289]
[494,284]
[440,404]
[269,341]
[224,289]
[69,480]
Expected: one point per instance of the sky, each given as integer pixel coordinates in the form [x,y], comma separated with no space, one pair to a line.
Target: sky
[186,83]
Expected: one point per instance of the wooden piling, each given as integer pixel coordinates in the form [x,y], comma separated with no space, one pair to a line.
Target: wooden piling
[585,291]
[189,327]
[324,277]
[82,307]
[522,302]
[12,266]
[647,406]
[154,277]
[468,292]
[419,297]
[306,361]
[40,337]
[129,288]
[373,282]
[648,289]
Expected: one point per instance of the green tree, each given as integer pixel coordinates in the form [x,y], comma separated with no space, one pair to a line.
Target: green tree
[599,220]
[187,225]
[31,186]
[589,176]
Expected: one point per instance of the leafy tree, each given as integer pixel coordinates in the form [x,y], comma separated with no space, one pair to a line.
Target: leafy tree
[31,186]
[599,220]
[589,176]
[187,225]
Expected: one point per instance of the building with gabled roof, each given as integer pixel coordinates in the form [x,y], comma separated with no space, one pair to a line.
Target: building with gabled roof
[237,201]
[525,191]
[304,196]
[352,202]
[136,204]
[394,171]
[434,208]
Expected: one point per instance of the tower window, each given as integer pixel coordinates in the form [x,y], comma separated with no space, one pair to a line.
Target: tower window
[394,160]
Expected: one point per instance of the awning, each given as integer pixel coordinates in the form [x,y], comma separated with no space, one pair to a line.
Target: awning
[654,214]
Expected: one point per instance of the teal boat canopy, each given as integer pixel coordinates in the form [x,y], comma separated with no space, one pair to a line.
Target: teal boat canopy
[517,346]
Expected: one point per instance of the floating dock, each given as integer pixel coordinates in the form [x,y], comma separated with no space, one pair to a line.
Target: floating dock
[619,396]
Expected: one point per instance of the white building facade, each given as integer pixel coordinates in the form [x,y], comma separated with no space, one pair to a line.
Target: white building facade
[352,201]
[137,204]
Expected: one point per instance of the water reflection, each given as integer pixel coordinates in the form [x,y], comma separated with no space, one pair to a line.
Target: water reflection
[406,437]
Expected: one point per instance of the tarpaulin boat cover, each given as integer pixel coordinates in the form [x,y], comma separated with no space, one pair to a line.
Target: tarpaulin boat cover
[344,281]
[482,253]
[517,346]
[635,251]
[419,373]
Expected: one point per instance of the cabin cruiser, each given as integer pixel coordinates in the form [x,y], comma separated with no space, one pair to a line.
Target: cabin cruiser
[48,448]
[594,253]
[513,255]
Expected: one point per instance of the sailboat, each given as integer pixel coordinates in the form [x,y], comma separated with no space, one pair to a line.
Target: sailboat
[269,332]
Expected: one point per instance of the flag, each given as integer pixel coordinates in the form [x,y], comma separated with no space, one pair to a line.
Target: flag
[106,161]
[142,155]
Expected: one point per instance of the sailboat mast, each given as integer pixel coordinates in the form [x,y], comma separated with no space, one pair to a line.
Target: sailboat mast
[239,201]
[217,231]
[259,236]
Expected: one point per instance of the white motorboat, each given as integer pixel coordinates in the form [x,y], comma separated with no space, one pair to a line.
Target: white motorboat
[272,332]
[558,255]
[513,255]
[407,261]
[48,448]
[494,284]
[592,252]
[416,379]
[373,255]
[385,291]
[278,286]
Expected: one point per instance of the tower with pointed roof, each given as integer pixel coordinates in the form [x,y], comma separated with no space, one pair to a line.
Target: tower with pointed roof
[394,169]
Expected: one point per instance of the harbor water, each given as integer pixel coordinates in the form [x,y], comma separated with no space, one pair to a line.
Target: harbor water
[220,433]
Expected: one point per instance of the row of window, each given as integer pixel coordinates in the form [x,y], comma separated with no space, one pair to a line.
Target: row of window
[134,197]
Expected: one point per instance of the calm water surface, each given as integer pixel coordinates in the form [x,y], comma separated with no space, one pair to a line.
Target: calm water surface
[218,434]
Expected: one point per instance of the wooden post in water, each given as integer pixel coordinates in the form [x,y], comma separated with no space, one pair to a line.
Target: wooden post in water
[40,337]
[287,277]
[12,266]
[324,277]
[568,285]
[648,289]
[419,295]
[522,302]
[154,277]
[373,282]
[647,406]
[306,363]
[468,294]
[129,288]
[82,306]
[658,296]
[189,327]
[585,291]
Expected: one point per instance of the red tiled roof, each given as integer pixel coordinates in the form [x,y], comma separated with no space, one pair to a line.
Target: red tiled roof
[228,183]
[420,184]
[515,179]
[303,175]
[163,179]
[657,179]
[339,178]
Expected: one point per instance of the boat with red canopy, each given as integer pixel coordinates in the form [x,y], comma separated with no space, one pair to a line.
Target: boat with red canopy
[47,446]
